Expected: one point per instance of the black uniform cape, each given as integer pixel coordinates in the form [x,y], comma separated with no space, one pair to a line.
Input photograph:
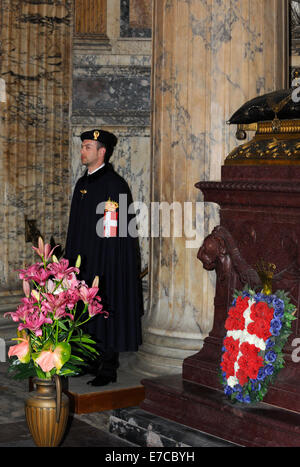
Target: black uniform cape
[115,260]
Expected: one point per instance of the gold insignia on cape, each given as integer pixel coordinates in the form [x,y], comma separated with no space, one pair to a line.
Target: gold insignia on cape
[111,205]
[96,135]
[83,192]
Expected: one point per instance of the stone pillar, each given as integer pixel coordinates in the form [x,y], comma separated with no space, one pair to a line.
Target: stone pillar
[34,139]
[208,59]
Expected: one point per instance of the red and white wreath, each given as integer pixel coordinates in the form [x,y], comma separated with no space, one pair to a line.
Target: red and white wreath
[257,328]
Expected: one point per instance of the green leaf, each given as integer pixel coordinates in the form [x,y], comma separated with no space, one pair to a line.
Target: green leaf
[75,358]
[62,326]
[39,372]
[83,339]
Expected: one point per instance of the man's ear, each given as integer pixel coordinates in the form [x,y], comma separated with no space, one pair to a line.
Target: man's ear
[102,152]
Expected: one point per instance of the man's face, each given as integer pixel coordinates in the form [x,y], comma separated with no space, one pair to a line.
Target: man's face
[91,157]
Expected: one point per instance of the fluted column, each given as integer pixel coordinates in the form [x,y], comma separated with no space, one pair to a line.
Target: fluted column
[34,140]
[208,59]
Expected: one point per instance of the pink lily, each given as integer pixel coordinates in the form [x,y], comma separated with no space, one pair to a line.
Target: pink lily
[61,270]
[72,297]
[44,250]
[26,288]
[28,273]
[96,308]
[34,322]
[95,282]
[87,294]
[36,272]
[22,310]
[56,304]
[71,282]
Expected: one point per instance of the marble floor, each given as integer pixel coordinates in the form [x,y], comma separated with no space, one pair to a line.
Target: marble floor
[106,429]
[82,431]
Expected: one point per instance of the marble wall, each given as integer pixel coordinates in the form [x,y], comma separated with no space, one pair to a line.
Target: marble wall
[34,134]
[209,57]
[294,10]
[111,90]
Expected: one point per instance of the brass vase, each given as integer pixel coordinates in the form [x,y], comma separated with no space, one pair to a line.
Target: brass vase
[47,411]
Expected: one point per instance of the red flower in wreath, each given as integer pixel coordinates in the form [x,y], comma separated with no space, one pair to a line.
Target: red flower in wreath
[262,315]
[242,376]
[261,310]
[236,320]
[227,364]
[232,346]
[229,357]
[260,328]
[250,362]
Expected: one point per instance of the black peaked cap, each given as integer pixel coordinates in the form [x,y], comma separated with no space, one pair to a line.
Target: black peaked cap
[104,137]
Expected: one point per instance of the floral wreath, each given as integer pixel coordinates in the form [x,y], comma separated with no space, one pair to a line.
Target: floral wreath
[258,326]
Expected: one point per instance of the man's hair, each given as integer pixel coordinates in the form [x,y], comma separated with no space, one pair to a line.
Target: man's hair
[100,145]
[108,151]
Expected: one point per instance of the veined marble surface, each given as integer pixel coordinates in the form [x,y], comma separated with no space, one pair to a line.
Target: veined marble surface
[130,159]
[209,58]
[34,136]
[111,90]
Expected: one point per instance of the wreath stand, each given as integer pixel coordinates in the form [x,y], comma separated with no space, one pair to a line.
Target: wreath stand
[259,219]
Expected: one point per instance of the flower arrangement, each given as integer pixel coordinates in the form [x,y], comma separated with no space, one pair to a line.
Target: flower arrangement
[258,326]
[51,316]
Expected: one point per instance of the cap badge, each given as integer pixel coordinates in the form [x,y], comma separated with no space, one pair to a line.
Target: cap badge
[96,135]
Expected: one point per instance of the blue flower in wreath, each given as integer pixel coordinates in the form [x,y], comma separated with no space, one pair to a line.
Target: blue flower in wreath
[245,294]
[278,313]
[228,390]
[247,399]
[261,374]
[258,297]
[237,388]
[270,356]
[278,303]
[255,385]
[269,299]
[276,325]
[269,344]
[240,397]
[269,369]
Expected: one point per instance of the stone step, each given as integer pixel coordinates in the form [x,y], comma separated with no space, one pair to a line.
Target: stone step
[11,298]
[8,328]
[147,430]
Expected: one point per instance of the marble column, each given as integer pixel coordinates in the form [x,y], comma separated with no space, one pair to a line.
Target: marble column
[209,57]
[34,140]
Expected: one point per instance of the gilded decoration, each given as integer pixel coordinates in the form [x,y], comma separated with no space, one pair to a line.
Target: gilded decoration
[273,117]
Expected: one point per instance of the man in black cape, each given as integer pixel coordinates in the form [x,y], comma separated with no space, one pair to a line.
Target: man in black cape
[110,253]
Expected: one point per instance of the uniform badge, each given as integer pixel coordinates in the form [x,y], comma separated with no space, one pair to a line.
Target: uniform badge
[96,135]
[110,219]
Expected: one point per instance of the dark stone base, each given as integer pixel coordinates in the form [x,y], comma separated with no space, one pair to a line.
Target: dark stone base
[208,410]
[78,434]
[147,430]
